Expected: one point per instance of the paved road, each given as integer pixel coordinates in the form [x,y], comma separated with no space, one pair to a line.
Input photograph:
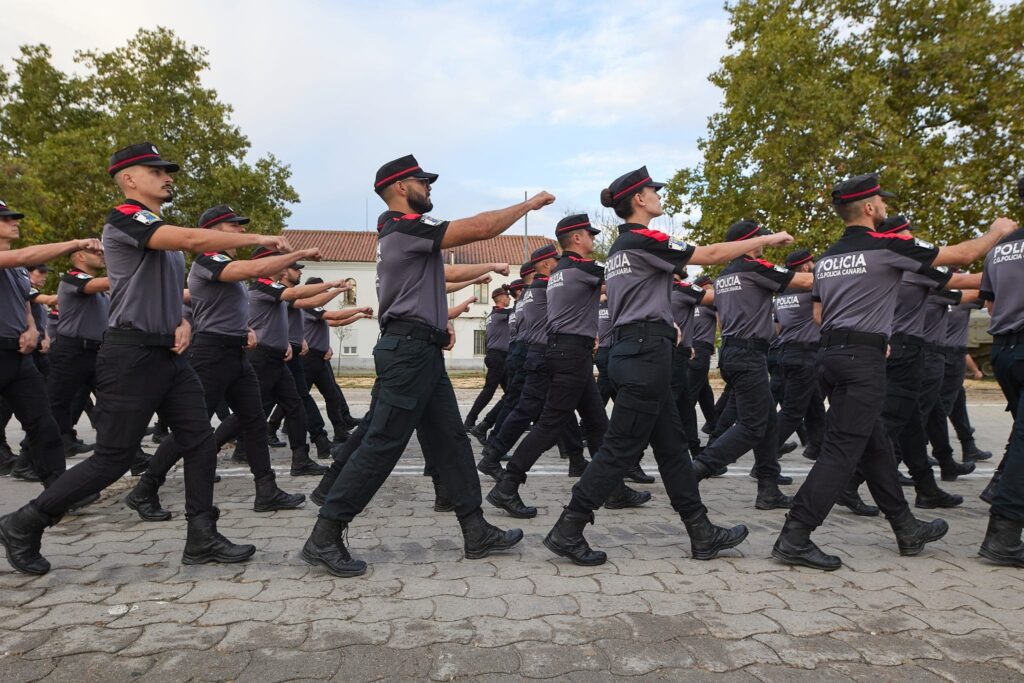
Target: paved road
[119,605]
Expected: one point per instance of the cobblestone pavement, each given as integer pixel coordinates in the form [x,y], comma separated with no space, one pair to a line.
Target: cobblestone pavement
[118,604]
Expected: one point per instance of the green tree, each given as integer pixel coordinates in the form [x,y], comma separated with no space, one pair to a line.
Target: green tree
[930,93]
[57,131]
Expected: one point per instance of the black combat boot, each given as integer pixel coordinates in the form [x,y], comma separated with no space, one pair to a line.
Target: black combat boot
[159,432]
[490,463]
[787,447]
[794,546]
[971,452]
[769,497]
[912,534]
[480,431]
[7,459]
[302,466]
[145,500]
[930,496]
[205,544]
[326,547]
[21,535]
[323,445]
[577,465]
[566,539]
[625,497]
[442,503]
[951,469]
[139,462]
[319,494]
[238,454]
[73,447]
[273,440]
[637,475]
[24,468]
[269,497]
[780,479]
[481,539]
[505,495]
[707,540]
[851,500]
[990,489]
[1002,542]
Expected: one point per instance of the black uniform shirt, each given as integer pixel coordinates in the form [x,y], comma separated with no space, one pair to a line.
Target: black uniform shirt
[217,307]
[684,299]
[268,314]
[533,314]
[639,272]
[410,269]
[856,279]
[794,311]
[145,284]
[496,331]
[81,315]
[14,288]
[743,297]
[1002,282]
[573,294]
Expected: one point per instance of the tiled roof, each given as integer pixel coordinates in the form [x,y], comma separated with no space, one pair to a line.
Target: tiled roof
[361,246]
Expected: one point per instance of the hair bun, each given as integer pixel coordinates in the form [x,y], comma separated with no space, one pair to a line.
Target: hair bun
[607,198]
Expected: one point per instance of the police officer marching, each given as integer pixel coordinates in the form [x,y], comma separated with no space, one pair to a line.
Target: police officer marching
[855,291]
[496,339]
[705,328]
[413,389]
[140,368]
[639,275]
[220,335]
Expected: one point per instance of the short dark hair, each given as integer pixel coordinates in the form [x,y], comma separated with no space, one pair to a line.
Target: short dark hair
[849,211]
[565,239]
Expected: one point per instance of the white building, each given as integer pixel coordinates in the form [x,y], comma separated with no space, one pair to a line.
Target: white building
[351,255]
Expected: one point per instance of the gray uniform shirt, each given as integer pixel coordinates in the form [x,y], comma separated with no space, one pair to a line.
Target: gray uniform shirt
[38,312]
[705,324]
[958,321]
[217,307]
[604,326]
[410,269]
[316,330]
[639,272]
[794,311]
[82,315]
[268,314]
[743,297]
[496,332]
[911,297]
[684,299]
[856,278]
[14,288]
[513,320]
[1002,283]
[296,328]
[936,313]
[533,315]
[573,294]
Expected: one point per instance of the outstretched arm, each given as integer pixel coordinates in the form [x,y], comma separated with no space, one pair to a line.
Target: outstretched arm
[41,253]
[491,223]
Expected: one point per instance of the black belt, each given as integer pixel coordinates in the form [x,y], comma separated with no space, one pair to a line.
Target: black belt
[800,346]
[78,343]
[213,339]
[852,338]
[137,338]
[415,330]
[270,351]
[641,331]
[908,340]
[536,348]
[1011,339]
[953,352]
[751,343]
[580,340]
[10,344]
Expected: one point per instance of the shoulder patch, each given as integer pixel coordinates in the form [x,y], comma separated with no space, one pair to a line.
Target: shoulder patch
[923,243]
[145,217]
[430,220]
[83,276]
[781,269]
[220,258]
[319,309]
[678,243]
[277,285]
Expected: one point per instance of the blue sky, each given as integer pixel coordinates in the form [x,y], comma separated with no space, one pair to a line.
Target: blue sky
[497,97]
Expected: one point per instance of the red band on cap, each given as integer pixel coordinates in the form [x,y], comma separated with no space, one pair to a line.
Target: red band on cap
[564,228]
[897,228]
[862,193]
[131,161]
[395,175]
[803,260]
[212,221]
[756,228]
[631,187]
[266,254]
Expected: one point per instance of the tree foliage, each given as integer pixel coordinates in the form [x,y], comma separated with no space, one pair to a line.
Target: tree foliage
[58,130]
[929,93]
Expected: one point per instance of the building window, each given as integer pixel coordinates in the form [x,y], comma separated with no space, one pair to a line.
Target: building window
[479,342]
[482,293]
[349,351]
[350,294]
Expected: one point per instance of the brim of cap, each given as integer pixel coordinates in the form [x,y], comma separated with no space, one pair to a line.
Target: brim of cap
[655,185]
[886,194]
[544,257]
[297,266]
[11,214]
[241,220]
[170,166]
[429,177]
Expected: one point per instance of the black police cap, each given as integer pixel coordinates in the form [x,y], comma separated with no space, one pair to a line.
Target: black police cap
[578,221]
[141,154]
[495,293]
[545,252]
[702,280]
[857,188]
[222,213]
[744,230]
[7,212]
[798,257]
[264,252]
[516,285]
[400,169]
[894,224]
[314,281]
[526,269]
[627,185]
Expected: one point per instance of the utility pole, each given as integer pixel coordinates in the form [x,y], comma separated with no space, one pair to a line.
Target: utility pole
[526,233]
